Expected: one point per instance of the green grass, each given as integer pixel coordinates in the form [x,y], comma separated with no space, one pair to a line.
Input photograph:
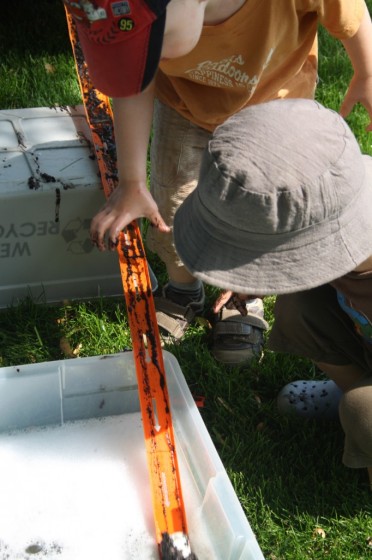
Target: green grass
[335,73]
[287,474]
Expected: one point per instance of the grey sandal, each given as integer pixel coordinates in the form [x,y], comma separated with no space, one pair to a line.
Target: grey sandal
[237,339]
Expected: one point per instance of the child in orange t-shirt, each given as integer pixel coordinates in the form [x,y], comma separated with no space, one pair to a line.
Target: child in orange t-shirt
[213,59]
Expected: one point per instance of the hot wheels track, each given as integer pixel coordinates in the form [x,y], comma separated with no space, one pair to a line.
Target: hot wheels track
[168,507]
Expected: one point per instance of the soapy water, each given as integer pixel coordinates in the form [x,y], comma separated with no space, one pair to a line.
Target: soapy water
[78,492]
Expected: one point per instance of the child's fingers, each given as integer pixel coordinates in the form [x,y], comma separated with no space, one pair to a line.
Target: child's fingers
[222,299]
[157,221]
[346,107]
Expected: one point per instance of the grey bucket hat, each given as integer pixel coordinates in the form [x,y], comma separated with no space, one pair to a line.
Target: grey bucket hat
[283,202]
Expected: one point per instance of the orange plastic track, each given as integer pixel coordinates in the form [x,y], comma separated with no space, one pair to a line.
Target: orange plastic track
[168,507]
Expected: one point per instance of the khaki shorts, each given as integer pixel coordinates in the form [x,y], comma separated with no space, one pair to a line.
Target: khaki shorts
[313,325]
[177,147]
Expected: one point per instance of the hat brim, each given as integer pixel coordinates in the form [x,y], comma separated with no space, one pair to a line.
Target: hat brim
[124,69]
[337,248]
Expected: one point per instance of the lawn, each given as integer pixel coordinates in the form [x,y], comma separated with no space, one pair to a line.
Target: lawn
[301,502]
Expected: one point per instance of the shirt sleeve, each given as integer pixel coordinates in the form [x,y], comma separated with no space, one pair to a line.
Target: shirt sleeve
[341,18]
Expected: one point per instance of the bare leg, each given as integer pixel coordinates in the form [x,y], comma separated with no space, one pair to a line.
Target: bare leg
[179,274]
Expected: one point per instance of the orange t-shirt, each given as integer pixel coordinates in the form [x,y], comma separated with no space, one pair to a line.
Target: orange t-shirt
[266,50]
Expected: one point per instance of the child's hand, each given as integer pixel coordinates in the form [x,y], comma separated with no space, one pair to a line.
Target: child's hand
[360,91]
[232,301]
[124,206]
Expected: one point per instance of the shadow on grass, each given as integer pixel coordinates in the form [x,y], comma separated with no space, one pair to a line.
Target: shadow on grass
[34,331]
[30,333]
[35,27]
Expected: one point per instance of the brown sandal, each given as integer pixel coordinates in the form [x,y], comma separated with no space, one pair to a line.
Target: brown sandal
[173,318]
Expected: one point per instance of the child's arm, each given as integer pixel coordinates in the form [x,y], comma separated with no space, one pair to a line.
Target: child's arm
[359,49]
[131,199]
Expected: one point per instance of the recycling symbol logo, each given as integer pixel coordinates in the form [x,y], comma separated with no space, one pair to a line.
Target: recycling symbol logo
[76,235]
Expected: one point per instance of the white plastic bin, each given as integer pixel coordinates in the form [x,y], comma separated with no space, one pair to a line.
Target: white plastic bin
[49,191]
[70,390]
